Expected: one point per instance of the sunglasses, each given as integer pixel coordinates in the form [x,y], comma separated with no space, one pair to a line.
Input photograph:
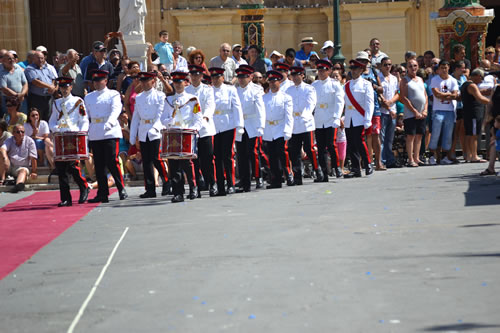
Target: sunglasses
[337,68]
[387,65]
[490,53]
[19,132]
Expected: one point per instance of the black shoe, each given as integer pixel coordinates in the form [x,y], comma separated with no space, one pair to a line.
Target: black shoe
[273,186]
[178,198]
[338,173]
[198,195]
[98,199]
[259,183]
[297,181]
[394,165]
[243,189]
[166,189]
[238,184]
[202,185]
[289,181]
[353,175]
[83,195]
[369,170]
[221,194]
[193,193]
[66,203]
[148,195]
[230,190]
[17,188]
[213,190]
[123,194]
[320,176]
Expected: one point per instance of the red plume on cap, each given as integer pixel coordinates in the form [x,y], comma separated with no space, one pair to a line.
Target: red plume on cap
[274,75]
[179,76]
[216,71]
[281,66]
[323,64]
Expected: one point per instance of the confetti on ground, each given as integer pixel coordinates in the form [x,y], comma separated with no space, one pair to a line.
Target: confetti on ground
[394,321]
[203,302]
[251,316]
[368,273]
[381,321]
[328,192]
[196,298]
[484,284]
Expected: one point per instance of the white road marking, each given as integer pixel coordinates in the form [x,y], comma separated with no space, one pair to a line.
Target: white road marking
[96,284]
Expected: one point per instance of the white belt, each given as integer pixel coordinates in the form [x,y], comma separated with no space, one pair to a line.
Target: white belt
[249,116]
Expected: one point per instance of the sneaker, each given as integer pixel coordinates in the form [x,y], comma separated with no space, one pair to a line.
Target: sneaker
[446,161]
[432,160]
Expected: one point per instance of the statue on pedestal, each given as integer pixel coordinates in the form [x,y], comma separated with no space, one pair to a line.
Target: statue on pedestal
[132,15]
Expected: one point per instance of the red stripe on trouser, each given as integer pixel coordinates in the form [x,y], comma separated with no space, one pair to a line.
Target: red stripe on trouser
[80,174]
[256,158]
[315,158]
[264,156]
[118,162]
[232,158]
[192,172]
[287,158]
[162,162]
[335,145]
[213,161]
[364,145]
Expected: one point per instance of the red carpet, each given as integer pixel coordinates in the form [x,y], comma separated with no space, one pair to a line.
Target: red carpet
[29,224]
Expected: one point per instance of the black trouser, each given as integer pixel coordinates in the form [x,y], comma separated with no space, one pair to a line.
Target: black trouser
[63,168]
[150,151]
[106,156]
[326,141]
[278,157]
[356,147]
[41,103]
[248,159]
[295,145]
[176,169]
[224,158]
[205,161]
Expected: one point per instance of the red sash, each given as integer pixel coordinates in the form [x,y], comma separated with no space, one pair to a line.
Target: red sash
[352,100]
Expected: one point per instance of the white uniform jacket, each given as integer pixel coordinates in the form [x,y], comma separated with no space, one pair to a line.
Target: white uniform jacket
[104,107]
[77,121]
[304,102]
[205,95]
[228,113]
[254,112]
[279,115]
[362,91]
[285,85]
[146,120]
[187,116]
[330,103]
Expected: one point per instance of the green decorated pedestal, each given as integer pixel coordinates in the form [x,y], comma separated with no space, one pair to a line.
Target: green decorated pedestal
[464,22]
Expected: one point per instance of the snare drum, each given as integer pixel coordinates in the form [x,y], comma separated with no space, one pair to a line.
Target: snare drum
[71,146]
[179,144]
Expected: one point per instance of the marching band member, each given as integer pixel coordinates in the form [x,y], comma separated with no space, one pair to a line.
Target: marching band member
[104,107]
[205,96]
[359,106]
[69,115]
[228,118]
[182,111]
[304,102]
[284,69]
[254,115]
[329,107]
[146,125]
[279,126]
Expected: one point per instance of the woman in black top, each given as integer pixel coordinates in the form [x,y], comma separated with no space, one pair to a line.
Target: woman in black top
[472,105]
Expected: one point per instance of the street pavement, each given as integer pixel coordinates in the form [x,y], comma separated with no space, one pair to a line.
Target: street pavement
[406,250]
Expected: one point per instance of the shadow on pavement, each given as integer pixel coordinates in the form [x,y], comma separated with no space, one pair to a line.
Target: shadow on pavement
[483,190]
[479,225]
[458,327]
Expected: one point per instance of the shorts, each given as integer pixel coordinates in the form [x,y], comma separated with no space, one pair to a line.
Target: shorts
[137,165]
[460,114]
[341,149]
[14,170]
[414,126]
[40,144]
[375,129]
[470,125]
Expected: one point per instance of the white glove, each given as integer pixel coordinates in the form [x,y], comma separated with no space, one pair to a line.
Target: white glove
[368,124]
[260,131]
[287,136]
[336,122]
[240,130]
[238,137]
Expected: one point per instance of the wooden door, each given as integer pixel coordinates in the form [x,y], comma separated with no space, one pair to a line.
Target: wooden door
[61,24]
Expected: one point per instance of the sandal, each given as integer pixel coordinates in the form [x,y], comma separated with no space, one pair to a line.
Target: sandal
[478,161]
[487,172]
[411,165]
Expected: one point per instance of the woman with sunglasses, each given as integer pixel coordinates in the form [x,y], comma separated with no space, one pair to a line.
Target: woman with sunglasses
[39,131]
[13,117]
[197,57]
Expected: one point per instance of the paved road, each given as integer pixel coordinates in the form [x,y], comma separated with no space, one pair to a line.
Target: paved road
[408,250]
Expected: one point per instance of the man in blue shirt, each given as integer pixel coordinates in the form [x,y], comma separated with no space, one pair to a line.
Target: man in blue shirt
[306,46]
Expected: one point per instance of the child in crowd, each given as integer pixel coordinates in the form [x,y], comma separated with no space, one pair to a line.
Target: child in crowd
[164,49]
[341,144]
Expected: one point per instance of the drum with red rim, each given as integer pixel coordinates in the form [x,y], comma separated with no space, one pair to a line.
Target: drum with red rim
[179,144]
[71,146]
